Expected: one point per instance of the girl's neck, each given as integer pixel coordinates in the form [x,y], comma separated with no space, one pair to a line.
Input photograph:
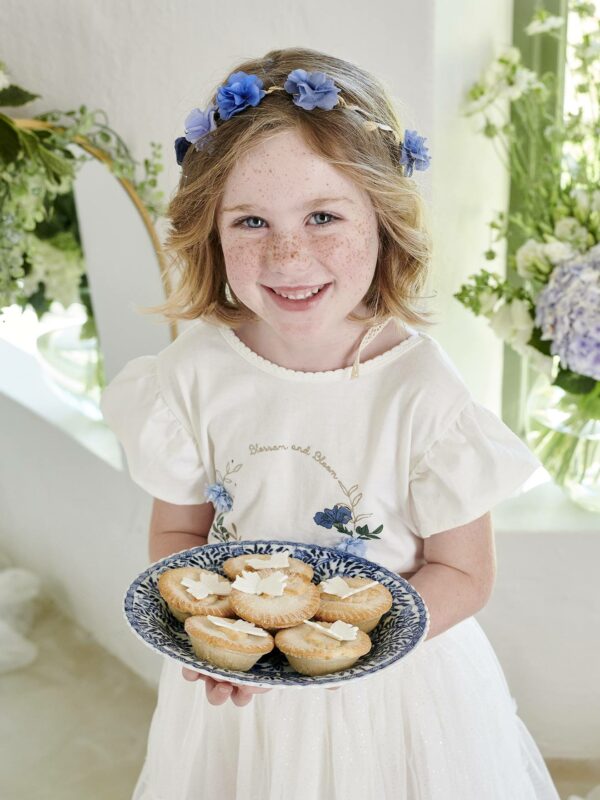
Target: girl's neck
[318,356]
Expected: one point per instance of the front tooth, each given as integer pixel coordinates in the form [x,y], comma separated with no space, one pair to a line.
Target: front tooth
[299,295]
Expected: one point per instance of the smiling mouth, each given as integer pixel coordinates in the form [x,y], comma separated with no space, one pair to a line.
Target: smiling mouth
[307,291]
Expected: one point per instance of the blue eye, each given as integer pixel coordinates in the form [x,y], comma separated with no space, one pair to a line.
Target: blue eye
[241,222]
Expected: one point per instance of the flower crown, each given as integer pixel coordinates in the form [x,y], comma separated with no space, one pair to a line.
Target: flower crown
[309,90]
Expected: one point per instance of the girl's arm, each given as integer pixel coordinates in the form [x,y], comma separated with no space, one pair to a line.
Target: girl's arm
[459,576]
[174,527]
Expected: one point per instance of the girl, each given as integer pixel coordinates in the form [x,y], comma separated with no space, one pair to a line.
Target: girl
[292,409]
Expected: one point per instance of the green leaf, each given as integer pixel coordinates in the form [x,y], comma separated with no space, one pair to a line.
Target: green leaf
[573,382]
[543,345]
[14,96]
[10,141]
[55,165]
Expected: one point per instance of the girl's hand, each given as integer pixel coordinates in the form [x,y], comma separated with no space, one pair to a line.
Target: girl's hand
[217,692]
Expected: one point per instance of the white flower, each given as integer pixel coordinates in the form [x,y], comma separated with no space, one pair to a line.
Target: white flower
[544,25]
[582,200]
[488,301]
[523,81]
[512,55]
[513,322]
[569,230]
[531,261]
[557,251]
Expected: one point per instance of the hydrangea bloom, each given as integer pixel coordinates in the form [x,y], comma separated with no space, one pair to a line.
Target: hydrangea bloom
[240,91]
[312,90]
[198,123]
[568,313]
[414,152]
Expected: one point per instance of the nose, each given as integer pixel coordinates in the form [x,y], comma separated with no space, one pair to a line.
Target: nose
[287,255]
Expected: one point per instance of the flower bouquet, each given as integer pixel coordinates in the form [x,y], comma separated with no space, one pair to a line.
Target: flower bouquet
[551,315]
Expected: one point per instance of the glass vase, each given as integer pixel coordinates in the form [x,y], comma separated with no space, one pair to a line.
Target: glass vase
[73,367]
[563,430]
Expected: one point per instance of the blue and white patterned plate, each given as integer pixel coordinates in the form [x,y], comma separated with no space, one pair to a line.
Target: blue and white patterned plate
[398,633]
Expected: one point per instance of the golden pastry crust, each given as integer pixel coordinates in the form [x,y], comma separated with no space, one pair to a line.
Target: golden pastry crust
[364,609]
[232,567]
[236,641]
[182,604]
[299,601]
[311,652]
[226,648]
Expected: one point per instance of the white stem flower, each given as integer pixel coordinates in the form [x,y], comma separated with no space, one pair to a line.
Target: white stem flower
[488,301]
[513,322]
[538,26]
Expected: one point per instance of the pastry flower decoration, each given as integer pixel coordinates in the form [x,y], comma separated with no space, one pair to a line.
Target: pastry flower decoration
[340,588]
[339,630]
[252,583]
[276,561]
[239,625]
[208,584]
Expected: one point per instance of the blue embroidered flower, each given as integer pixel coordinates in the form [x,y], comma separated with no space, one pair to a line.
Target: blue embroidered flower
[355,547]
[311,89]
[414,153]
[218,495]
[332,516]
[240,91]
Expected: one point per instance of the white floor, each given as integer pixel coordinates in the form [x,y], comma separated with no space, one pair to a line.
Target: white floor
[74,723]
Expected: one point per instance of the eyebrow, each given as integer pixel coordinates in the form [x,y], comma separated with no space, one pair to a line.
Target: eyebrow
[314,201]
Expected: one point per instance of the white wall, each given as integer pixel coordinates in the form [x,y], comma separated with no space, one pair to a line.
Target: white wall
[69,515]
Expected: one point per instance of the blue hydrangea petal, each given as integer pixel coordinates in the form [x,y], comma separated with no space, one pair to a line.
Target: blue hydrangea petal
[240,92]
[414,154]
[198,123]
[312,90]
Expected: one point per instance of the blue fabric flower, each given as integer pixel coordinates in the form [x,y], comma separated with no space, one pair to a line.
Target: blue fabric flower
[198,123]
[240,91]
[181,148]
[218,495]
[311,90]
[327,518]
[356,547]
[414,153]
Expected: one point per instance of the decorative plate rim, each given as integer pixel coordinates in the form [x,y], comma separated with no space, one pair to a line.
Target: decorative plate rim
[248,678]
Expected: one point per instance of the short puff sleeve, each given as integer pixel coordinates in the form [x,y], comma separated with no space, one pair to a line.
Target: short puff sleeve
[477,462]
[162,455]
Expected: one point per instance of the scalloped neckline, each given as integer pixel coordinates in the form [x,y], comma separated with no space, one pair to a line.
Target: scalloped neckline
[366,367]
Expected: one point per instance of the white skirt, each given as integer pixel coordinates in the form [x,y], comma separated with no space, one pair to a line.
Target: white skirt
[439,725]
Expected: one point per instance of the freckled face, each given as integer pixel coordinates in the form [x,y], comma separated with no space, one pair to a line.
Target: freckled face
[283,238]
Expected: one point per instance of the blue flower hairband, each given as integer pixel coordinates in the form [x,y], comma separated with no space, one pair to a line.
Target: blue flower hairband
[309,90]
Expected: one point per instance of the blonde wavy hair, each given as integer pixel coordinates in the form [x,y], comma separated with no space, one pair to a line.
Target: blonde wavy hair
[368,157]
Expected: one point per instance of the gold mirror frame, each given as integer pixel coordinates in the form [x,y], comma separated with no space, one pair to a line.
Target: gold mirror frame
[100,155]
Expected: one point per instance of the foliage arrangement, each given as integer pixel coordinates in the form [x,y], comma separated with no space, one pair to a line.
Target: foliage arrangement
[41,257]
[551,313]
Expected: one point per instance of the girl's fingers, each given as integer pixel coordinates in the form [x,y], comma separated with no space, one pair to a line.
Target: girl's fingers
[190,675]
[218,692]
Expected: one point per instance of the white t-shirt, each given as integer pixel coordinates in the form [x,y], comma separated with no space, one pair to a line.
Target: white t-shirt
[372,464]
